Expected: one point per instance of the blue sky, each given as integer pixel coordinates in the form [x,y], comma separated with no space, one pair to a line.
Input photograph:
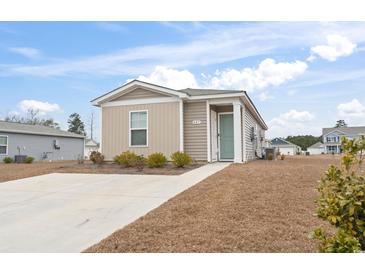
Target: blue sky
[301,76]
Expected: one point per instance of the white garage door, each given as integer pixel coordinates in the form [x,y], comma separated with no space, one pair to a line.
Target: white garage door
[315,151]
[286,150]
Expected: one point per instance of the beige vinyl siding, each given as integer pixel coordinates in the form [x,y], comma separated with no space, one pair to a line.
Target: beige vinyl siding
[255,145]
[163,129]
[139,93]
[195,136]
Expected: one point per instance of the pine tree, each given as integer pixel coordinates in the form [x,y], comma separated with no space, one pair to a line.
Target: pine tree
[340,123]
[75,124]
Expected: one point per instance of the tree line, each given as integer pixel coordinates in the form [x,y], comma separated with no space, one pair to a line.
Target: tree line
[75,123]
[305,141]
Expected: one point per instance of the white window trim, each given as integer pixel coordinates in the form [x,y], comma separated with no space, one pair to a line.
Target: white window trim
[130,128]
[7,145]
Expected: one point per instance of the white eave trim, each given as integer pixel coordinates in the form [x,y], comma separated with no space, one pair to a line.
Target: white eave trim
[97,101]
[141,101]
[253,108]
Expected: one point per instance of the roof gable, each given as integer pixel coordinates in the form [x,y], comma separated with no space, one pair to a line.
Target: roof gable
[317,145]
[135,84]
[139,93]
[345,130]
[280,141]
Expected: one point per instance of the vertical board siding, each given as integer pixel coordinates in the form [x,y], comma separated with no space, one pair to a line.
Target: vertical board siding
[163,129]
[195,136]
[139,93]
[253,148]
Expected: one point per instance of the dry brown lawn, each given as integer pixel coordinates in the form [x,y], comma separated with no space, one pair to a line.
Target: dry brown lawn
[263,206]
[18,171]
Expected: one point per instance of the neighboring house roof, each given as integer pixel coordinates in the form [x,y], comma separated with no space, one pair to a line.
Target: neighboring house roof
[281,142]
[345,130]
[188,93]
[14,127]
[91,143]
[317,145]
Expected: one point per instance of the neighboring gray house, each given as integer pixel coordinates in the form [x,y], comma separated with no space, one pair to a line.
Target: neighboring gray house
[210,125]
[40,142]
[285,147]
[332,137]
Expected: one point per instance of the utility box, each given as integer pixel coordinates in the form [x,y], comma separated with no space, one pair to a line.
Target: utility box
[20,159]
[270,151]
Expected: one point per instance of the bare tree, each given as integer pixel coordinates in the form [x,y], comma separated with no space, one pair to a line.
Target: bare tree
[91,124]
[31,118]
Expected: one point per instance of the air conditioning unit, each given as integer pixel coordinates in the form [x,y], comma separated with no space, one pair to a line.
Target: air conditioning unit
[56,144]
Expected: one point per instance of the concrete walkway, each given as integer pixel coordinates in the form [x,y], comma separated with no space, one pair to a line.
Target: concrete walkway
[70,212]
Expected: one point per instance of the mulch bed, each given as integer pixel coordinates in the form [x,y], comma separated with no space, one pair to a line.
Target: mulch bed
[18,171]
[262,206]
[113,168]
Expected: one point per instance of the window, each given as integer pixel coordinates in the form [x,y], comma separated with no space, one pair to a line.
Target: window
[3,145]
[333,139]
[138,127]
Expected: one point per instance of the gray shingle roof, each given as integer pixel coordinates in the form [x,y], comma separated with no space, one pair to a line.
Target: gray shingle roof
[346,130]
[316,145]
[35,129]
[281,142]
[196,92]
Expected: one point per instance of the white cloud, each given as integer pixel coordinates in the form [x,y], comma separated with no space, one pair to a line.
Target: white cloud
[172,78]
[31,53]
[352,112]
[42,107]
[218,43]
[268,73]
[264,96]
[293,122]
[337,46]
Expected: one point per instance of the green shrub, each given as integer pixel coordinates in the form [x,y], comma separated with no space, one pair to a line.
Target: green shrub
[156,160]
[341,201]
[180,159]
[8,160]
[140,162]
[29,160]
[96,157]
[127,159]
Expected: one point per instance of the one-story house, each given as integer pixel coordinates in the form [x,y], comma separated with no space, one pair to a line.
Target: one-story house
[285,147]
[90,146]
[40,142]
[316,149]
[210,125]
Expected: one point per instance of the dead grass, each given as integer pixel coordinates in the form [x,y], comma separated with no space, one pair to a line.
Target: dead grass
[263,206]
[18,171]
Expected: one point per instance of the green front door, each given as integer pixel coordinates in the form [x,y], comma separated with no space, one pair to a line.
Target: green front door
[226,151]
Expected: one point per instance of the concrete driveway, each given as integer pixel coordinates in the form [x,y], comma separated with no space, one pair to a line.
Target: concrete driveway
[70,212]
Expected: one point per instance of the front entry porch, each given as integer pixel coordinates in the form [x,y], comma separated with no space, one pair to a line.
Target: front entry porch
[224,131]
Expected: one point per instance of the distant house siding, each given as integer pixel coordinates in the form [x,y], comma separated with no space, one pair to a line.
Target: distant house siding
[195,135]
[39,145]
[163,129]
